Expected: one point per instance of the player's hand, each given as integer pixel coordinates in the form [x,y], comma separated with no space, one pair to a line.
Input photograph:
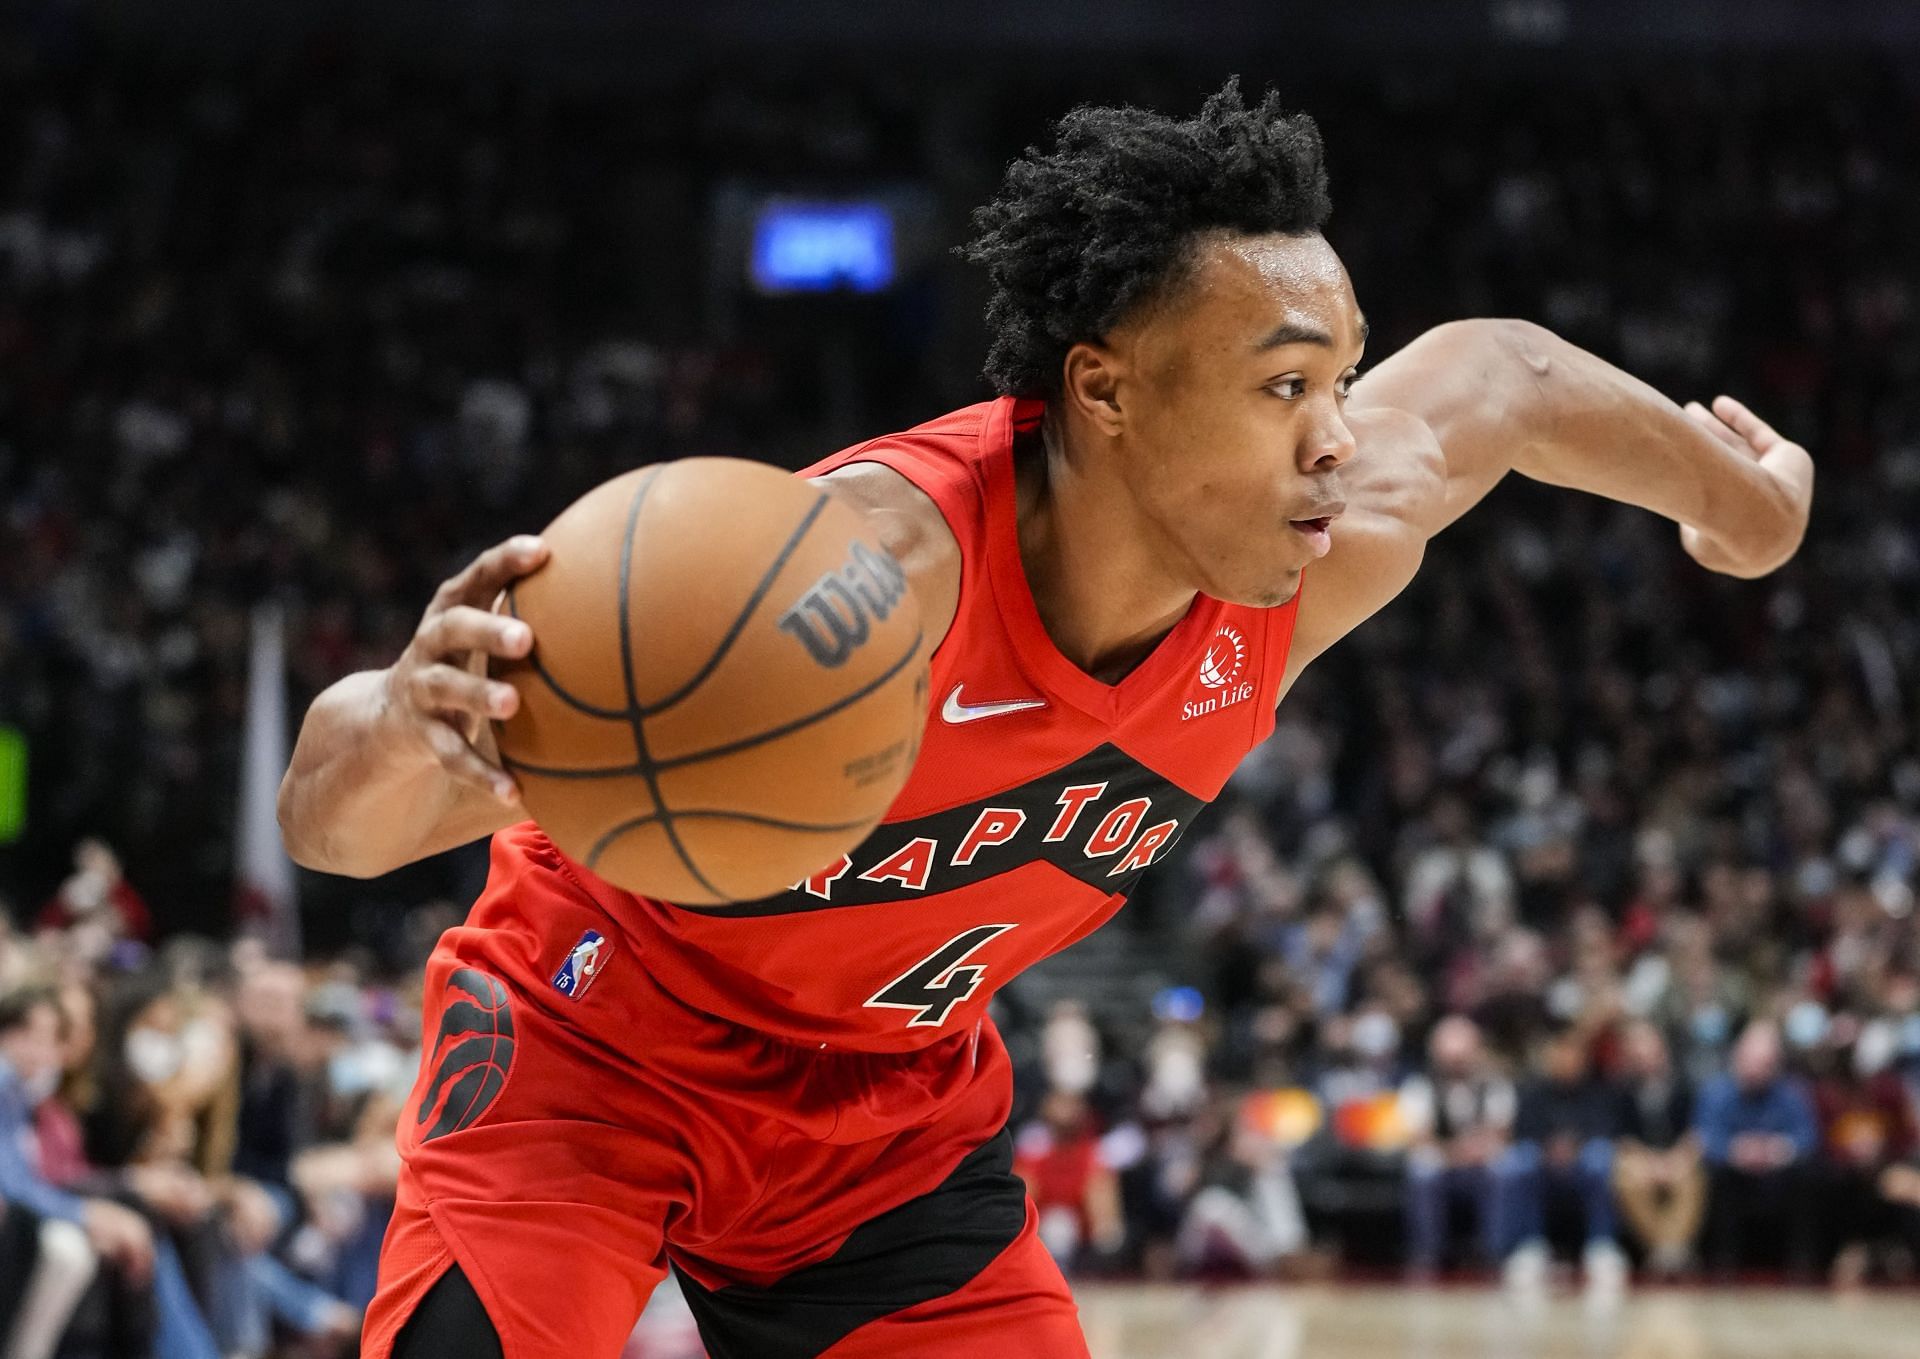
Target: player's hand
[1753,549]
[433,696]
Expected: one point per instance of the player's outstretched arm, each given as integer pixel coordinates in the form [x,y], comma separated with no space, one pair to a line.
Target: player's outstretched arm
[393,765]
[1439,423]
[1502,395]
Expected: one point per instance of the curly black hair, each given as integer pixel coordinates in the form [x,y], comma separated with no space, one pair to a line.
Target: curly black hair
[1105,221]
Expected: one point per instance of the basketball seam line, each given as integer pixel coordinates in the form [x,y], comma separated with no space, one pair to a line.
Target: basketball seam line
[732,747]
[721,814]
[747,611]
[720,653]
[636,718]
[539,669]
[818,715]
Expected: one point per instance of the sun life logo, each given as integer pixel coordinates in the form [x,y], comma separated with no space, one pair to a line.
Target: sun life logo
[1226,657]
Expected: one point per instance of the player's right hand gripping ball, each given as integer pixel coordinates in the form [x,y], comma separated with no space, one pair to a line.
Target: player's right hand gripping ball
[727,685]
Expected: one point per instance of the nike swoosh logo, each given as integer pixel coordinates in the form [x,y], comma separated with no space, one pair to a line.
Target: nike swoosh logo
[957,712]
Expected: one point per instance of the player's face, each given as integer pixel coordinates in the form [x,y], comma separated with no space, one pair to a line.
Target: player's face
[1233,395]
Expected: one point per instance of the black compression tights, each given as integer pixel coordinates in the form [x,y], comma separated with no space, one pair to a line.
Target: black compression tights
[449,1323]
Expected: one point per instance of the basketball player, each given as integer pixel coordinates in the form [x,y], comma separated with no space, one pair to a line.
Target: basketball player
[1179,501]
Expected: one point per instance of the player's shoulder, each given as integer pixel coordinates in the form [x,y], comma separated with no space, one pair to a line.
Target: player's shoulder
[912,528]
[1390,430]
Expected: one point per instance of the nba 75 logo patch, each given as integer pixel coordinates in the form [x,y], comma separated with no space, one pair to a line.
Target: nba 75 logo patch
[583,964]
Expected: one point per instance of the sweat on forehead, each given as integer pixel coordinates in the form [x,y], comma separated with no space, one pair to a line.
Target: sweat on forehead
[1260,291]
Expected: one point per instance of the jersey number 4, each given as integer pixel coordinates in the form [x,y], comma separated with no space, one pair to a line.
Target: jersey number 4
[938,982]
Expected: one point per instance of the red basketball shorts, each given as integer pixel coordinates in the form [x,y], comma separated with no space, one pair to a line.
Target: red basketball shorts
[575,1131]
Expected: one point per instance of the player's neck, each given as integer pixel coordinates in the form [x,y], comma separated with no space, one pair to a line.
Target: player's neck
[1089,562]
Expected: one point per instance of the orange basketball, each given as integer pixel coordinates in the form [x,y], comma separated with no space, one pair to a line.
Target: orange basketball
[727,685]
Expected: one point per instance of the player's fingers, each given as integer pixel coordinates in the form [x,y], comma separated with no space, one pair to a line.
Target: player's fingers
[490,572]
[464,628]
[1718,428]
[1760,435]
[443,688]
[458,757]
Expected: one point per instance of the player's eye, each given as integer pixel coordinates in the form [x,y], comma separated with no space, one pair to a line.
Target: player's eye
[1348,382]
[1289,388]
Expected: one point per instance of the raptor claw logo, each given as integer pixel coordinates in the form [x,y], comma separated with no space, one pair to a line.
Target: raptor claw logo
[472,1053]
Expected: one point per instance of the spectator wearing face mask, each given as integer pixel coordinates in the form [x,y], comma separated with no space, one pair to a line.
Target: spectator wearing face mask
[165,1060]
[1362,1059]
[157,1069]
[1070,1048]
[1175,1058]
[1758,1134]
[116,1315]
[1657,1173]
[1562,1149]
[1700,1001]
[1457,887]
[1458,1115]
[72,1235]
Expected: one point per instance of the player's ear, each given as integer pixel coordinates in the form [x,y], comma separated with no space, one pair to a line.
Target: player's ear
[1090,384]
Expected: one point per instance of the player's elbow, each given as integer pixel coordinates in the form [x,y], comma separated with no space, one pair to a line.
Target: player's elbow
[1527,377]
[308,847]
[303,847]
[285,812]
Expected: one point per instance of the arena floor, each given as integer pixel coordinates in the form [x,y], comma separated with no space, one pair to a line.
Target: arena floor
[1324,1322]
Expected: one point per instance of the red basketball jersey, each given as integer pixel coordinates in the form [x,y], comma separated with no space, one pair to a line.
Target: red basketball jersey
[1040,794]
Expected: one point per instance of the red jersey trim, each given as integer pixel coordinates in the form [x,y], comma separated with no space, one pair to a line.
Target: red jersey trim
[1279,639]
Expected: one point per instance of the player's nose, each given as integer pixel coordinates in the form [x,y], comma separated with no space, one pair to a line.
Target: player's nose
[1328,444]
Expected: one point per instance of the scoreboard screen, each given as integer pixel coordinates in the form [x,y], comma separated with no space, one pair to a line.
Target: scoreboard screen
[822,247]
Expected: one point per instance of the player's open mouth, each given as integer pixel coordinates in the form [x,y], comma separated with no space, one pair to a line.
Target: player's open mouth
[1315,531]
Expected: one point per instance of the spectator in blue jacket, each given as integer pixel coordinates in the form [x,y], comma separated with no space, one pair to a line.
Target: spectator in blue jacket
[73,1233]
[1758,1135]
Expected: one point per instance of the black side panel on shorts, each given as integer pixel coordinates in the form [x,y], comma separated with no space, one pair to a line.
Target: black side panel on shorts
[924,1249]
[449,1323]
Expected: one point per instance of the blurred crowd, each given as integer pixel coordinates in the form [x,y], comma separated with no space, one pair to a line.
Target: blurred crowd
[197,1152]
[1571,904]
[1591,1149]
